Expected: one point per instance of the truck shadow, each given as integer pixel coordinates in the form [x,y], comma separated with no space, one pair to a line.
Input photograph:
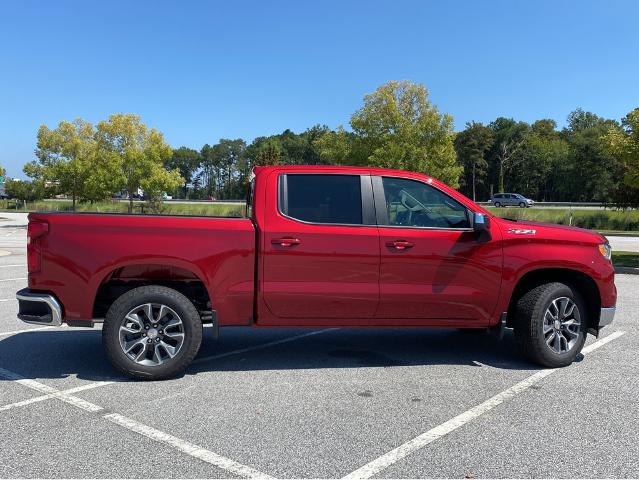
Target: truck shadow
[62,353]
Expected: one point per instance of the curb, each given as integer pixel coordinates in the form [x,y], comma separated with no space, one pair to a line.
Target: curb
[627,270]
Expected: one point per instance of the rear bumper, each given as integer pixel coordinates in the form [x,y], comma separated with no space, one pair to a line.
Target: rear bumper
[606,316]
[39,308]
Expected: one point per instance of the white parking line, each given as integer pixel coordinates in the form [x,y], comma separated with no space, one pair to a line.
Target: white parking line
[14,265]
[183,446]
[186,447]
[42,388]
[49,396]
[374,467]
[15,332]
[13,279]
[261,346]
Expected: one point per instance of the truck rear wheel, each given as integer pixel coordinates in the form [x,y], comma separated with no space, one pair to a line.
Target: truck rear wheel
[551,324]
[152,333]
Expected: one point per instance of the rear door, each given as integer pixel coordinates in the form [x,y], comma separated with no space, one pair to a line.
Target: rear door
[320,249]
[434,267]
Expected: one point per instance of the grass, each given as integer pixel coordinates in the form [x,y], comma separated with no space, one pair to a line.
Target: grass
[600,220]
[625,259]
[167,208]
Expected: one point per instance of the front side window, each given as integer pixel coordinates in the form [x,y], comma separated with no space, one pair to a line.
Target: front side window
[414,204]
[322,198]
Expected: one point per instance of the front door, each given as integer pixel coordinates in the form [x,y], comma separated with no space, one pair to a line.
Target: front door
[320,250]
[433,265]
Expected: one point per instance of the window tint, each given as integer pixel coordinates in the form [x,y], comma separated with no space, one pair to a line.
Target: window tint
[322,198]
[414,204]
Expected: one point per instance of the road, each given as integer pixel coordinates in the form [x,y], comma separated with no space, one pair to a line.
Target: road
[381,403]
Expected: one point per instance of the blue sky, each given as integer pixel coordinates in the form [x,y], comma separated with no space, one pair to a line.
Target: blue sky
[200,71]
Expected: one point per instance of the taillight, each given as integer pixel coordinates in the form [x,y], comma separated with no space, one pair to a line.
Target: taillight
[35,231]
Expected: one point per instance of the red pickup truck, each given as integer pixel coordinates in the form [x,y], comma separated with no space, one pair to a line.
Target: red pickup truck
[320,246]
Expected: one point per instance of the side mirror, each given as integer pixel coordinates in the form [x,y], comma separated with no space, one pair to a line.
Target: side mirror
[481,222]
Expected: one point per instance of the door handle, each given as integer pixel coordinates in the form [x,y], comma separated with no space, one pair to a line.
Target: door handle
[286,241]
[400,244]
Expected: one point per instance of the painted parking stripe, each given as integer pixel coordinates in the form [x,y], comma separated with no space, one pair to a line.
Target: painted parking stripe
[262,345]
[15,332]
[183,446]
[13,279]
[374,467]
[42,388]
[49,396]
[14,265]
[186,447]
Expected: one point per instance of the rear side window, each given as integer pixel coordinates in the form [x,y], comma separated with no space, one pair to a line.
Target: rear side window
[321,198]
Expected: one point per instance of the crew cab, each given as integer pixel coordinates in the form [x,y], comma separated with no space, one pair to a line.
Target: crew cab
[320,246]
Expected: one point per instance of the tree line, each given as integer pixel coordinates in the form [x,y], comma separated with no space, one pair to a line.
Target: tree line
[590,159]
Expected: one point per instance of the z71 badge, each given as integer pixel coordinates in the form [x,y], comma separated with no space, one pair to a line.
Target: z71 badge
[522,231]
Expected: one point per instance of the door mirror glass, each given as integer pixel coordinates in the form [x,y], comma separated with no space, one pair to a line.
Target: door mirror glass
[481,222]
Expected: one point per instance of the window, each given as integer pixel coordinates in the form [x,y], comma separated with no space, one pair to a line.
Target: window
[250,198]
[322,198]
[414,204]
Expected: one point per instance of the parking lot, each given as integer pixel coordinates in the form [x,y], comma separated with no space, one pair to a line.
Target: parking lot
[372,403]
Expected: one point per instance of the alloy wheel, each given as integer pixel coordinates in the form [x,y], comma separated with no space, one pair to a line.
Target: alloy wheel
[151,334]
[562,325]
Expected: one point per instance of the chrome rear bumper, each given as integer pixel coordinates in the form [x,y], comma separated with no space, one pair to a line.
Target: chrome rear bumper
[39,308]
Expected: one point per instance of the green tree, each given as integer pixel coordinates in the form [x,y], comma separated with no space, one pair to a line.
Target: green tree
[398,127]
[591,172]
[230,158]
[545,154]
[265,151]
[26,191]
[186,161]
[623,143]
[472,146]
[507,151]
[69,158]
[140,153]
[3,172]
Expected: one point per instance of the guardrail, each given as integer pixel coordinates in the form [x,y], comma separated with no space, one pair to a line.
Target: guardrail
[563,204]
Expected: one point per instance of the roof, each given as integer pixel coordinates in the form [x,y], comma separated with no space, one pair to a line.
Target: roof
[338,168]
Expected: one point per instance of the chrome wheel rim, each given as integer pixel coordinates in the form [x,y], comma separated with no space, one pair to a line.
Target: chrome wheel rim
[151,334]
[562,325]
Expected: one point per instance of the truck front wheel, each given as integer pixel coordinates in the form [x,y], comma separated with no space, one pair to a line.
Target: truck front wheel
[152,333]
[551,324]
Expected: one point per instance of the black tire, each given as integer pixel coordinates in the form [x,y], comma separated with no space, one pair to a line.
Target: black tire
[497,204]
[522,205]
[529,324]
[155,294]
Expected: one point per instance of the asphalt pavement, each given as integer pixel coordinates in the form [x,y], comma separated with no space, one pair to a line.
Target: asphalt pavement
[372,403]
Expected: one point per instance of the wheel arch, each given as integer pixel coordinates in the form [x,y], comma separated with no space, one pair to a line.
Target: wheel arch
[181,276]
[586,286]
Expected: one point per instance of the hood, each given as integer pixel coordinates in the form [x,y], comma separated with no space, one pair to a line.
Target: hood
[549,231]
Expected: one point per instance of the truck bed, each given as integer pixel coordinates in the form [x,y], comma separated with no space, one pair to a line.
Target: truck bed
[84,251]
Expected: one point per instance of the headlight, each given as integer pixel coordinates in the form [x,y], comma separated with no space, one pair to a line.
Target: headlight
[605,250]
